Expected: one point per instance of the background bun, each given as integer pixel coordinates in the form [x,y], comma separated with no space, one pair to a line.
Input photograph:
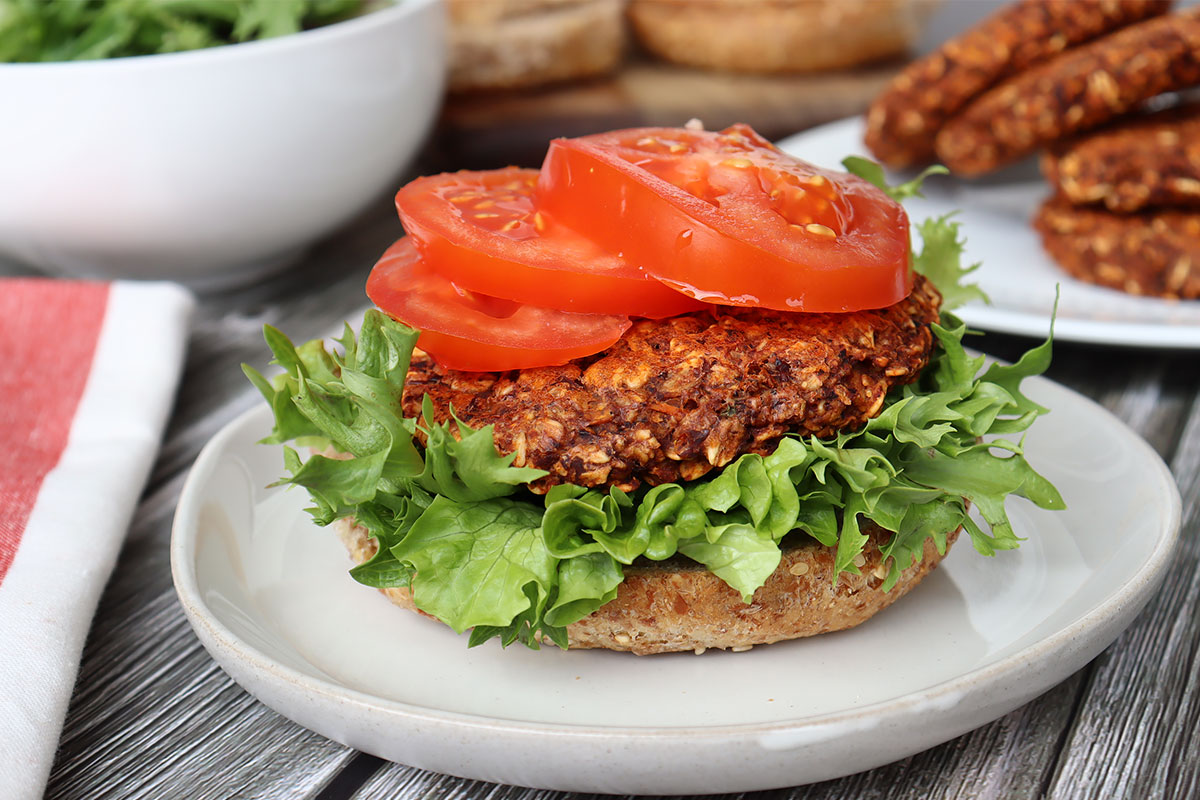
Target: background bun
[776,35]
[510,44]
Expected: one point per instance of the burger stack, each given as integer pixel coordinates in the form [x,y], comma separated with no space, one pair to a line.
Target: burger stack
[1074,80]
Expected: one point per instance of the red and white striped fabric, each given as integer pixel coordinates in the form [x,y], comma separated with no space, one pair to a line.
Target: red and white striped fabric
[88,373]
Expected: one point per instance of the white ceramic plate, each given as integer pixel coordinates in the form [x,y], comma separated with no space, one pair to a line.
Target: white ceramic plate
[268,595]
[1016,273]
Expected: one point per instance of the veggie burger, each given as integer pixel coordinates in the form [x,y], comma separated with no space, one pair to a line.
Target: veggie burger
[676,390]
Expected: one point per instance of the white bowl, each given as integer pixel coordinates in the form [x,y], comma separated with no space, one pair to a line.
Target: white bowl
[211,167]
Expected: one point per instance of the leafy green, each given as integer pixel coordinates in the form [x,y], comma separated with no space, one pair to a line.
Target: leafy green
[873,173]
[473,561]
[940,260]
[455,523]
[78,30]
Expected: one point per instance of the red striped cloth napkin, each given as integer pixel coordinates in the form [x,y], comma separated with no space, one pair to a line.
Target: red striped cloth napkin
[88,373]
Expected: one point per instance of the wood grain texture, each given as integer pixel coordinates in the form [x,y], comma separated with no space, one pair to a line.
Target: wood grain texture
[1135,732]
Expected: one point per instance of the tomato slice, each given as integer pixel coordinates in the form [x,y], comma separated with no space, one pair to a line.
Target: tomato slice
[728,218]
[482,231]
[469,331]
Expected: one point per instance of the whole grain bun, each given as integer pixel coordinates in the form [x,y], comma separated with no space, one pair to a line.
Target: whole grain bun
[511,44]
[776,35]
[678,605]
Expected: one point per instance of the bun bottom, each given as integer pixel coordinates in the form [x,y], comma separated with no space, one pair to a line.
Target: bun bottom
[678,605]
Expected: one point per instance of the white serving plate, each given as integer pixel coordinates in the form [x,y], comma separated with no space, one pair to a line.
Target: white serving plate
[1016,272]
[268,595]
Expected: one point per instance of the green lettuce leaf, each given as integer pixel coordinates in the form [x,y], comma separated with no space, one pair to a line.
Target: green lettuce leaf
[474,560]
[874,173]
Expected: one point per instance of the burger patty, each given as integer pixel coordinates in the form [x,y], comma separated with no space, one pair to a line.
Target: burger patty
[674,398]
[903,121]
[1154,252]
[1141,162]
[1078,90]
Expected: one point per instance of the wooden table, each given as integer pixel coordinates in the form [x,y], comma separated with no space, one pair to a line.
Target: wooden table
[154,717]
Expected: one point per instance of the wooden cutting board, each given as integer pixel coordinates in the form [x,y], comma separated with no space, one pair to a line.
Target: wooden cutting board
[486,130]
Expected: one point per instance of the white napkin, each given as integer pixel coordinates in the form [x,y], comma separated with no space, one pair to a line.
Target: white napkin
[88,373]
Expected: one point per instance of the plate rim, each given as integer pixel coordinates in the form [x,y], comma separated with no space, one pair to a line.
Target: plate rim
[1136,590]
[1024,323]
[1078,331]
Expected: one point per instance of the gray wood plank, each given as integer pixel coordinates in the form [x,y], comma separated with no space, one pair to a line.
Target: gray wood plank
[1135,733]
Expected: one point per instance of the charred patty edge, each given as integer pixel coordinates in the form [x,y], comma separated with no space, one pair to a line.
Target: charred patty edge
[675,398]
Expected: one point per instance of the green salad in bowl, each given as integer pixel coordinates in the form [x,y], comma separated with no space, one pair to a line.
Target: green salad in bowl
[82,30]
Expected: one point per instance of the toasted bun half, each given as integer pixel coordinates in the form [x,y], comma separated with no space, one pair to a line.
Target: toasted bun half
[515,44]
[678,605]
[774,36]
